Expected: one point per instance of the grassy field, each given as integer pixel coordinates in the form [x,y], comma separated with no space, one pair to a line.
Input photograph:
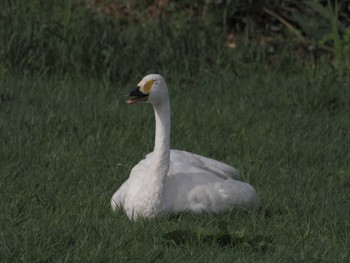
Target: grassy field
[68,144]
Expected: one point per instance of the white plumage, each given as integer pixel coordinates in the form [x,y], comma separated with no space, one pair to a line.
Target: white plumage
[171,181]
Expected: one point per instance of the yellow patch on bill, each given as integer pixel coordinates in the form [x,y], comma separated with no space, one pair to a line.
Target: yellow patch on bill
[146,89]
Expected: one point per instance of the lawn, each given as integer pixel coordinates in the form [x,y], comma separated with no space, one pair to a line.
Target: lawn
[67,144]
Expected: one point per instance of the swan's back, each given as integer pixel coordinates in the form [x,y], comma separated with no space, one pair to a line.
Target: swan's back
[186,162]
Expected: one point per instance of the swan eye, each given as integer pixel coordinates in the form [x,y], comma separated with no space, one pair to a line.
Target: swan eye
[146,88]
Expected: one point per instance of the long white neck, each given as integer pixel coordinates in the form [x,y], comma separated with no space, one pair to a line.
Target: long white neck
[154,179]
[161,151]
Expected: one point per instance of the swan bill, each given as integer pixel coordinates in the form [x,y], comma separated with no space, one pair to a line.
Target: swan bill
[137,96]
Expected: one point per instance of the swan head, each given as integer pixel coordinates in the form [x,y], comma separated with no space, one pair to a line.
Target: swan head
[152,88]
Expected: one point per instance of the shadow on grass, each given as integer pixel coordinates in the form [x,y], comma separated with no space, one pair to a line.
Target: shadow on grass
[223,238]
[6,97]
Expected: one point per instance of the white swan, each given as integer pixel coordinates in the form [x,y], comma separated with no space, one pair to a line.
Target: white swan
[171,181]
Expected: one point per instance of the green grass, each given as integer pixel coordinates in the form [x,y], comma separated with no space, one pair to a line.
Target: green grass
[67,144]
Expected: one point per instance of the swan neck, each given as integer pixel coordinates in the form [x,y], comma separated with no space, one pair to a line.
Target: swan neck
[154,180]
[162,134]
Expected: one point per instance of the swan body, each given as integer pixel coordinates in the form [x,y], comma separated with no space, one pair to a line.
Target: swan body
[172,181]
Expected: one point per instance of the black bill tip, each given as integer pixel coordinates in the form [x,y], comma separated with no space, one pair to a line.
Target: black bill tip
[137,93]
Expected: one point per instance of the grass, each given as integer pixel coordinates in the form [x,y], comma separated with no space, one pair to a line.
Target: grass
[77,38]
[68,144]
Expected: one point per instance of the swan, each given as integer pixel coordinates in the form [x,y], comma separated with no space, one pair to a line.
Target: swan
[173,181]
